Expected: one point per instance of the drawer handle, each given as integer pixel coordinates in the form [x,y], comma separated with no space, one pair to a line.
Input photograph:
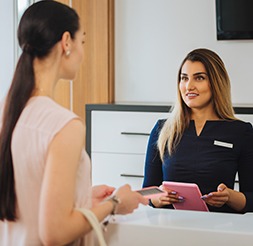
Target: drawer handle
[131,175]
[135,133]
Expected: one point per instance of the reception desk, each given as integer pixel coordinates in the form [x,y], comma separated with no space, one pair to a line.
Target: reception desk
[155,227]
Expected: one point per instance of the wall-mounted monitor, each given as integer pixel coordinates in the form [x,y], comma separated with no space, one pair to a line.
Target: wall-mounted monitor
[234,19]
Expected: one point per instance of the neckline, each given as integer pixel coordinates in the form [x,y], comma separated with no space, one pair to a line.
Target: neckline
[204,126]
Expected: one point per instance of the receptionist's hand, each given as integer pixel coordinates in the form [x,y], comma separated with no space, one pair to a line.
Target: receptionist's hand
[218,198]
[172,197]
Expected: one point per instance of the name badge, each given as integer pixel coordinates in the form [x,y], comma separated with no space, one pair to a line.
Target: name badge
[223,144]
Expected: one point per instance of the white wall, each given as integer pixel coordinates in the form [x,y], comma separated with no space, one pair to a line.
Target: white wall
[6,45]
[152,38]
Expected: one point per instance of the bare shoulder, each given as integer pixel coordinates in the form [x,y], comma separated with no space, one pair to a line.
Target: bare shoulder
[75,124]
[72,134]
[74,127]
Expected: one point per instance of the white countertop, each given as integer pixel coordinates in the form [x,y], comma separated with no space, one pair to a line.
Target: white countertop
[148,226]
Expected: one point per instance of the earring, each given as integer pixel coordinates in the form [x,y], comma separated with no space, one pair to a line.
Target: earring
[67,52]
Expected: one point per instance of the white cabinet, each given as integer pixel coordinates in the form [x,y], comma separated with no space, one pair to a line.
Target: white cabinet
[118,169]
[117,138]
[118,146]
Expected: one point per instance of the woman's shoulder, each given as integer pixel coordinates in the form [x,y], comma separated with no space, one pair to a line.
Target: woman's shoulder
[241,123]
[46,105]
[45,114]
[238,126]
[160,123]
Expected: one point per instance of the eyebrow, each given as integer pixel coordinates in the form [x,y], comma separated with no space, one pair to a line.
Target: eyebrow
[199,73]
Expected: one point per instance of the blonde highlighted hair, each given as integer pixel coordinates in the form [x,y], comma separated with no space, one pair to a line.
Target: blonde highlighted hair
[174,127]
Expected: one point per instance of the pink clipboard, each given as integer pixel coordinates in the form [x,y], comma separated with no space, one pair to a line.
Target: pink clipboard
[191,194]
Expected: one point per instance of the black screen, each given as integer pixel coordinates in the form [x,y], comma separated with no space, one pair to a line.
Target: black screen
[234,19]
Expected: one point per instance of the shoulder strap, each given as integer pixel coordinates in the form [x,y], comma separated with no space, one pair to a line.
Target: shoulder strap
[95,224]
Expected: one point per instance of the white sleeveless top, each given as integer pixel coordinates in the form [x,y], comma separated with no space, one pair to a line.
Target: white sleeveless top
[39,122]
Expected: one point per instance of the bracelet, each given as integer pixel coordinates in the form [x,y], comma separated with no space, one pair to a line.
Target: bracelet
[151,204]
[115,201]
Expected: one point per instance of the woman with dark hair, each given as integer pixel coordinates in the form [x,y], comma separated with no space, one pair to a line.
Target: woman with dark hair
[44,169]
[202,141]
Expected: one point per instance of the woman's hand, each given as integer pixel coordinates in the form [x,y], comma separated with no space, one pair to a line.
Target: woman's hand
[100,192]
[232,198]
[218,198]
[172,197]
[129,200]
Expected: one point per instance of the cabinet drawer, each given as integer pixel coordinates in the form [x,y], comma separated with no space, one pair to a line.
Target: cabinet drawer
[117,169]
[122,132]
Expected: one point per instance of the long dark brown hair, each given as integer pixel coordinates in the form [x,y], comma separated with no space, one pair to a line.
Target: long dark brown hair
[41,27]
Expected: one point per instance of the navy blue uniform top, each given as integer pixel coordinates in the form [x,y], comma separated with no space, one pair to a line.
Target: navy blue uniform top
[204,161]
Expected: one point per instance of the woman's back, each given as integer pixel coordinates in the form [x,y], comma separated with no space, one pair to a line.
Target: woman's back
[39,122]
